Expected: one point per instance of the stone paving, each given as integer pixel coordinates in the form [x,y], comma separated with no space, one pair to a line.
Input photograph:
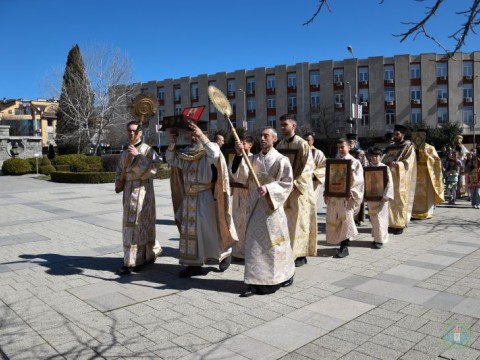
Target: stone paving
[417,298]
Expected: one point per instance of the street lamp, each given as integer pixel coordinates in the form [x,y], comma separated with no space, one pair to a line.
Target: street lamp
[350,121]
[245,124]
[355,113]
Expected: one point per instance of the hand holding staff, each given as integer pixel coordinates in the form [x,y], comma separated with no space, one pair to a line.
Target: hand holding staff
[223,105]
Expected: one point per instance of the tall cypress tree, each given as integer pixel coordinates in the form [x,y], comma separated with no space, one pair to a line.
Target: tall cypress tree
[76,107]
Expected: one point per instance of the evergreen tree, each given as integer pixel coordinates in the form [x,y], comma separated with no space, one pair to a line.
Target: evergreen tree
[76,107]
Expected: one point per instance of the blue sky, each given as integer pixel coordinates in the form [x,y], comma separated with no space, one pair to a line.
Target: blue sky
[171,39]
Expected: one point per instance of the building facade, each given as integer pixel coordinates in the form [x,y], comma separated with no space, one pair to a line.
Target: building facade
[30,118]
[432,89]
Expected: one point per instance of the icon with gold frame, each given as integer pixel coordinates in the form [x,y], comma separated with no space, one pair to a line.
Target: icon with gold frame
[338,177]
[376,179]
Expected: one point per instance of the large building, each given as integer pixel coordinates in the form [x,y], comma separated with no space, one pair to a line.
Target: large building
[30,118]
[429,88]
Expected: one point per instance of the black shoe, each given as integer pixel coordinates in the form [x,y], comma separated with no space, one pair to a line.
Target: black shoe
[342,252]
[249,292]
[398,232]
[191,271]
[225,263]
[391,230]
[124,270]
[238,260]
[376,245]
[358,223]
[288,282]
[300,261]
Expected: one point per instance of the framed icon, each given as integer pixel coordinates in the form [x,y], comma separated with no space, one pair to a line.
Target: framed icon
[376,179]
[418,139]
[393,154]
[338,177]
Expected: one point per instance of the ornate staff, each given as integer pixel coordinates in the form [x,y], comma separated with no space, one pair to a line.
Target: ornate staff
[143,108]
[222,104]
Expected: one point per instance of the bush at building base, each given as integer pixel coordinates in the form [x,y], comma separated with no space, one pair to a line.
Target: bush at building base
[83,177]
[16,166]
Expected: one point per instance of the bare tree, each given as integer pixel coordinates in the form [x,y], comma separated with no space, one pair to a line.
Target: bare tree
[322,120]
[416,28]
[108,75]
[109,72]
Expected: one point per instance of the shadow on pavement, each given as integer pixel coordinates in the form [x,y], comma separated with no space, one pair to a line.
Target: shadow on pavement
[164,275]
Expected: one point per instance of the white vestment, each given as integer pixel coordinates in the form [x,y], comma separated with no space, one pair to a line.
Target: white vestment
[268,255]
[340,223]
[378,210]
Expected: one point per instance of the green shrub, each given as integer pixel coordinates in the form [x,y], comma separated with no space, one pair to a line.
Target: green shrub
[163,173]
[16,166]
[47,169]
[79,162]
[63,167]
[110,162]
[83,177]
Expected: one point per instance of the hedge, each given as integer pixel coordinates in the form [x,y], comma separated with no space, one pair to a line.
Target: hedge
[83,177]
[16,166]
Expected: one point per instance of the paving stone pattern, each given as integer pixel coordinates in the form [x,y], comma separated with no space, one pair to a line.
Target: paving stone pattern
[417,298]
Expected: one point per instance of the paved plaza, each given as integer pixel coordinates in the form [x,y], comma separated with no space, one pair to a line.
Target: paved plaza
[417,298]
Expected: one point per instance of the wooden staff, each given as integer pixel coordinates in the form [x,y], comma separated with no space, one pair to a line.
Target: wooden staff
[223,105]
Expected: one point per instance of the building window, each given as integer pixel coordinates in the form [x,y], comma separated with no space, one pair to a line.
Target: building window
[339,122]
[161,112]
[468,115]
[415,71]
[177,93]
[468,68]
[338,76]
[389,95]
[339,99]
[416,116]
[251,123]
[231,87]
[389,73]
[315,77]
[363,95]
[442,92]
[442,69]
[415,93]
[233,104]
[468,91]
[292,80]
[365,120]
[315,98]
[272,121]
[442,115]
[178,109]
[292,102]
[194,91]
[390,117]
[271,102]
[363,74]
[161,93]
[251,104]
[271,82]
[144,90]
[213,125]
[211,108]
[250,85]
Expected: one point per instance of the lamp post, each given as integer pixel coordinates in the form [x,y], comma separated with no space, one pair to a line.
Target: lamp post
[350,121]
[355,113]
[245,124]
[36,160]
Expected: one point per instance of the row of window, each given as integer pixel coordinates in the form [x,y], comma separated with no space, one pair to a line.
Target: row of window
[389,73]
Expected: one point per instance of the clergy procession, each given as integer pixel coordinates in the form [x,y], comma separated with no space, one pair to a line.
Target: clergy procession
[260,209]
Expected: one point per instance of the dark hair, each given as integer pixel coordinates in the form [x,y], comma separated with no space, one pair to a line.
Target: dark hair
[342,140]
[375,151]
[288,117]
[308,134]
[249,139]
[133,122]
